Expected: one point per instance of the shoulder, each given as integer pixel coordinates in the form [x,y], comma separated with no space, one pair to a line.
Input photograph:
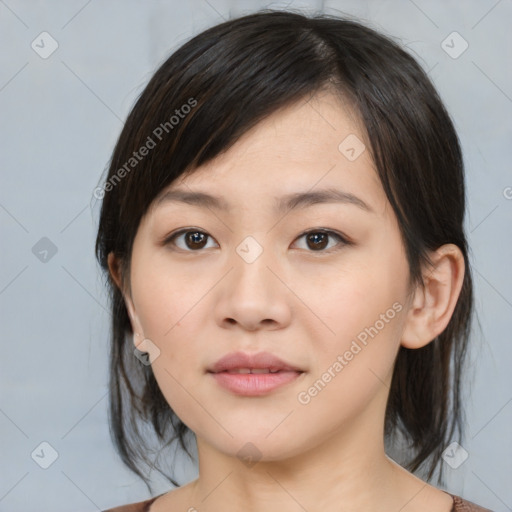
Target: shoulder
[462,505]
[140,506]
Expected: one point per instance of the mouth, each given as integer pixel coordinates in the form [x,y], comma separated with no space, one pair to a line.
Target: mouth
[261,362]
[255,381]
[253,374]
[253,370]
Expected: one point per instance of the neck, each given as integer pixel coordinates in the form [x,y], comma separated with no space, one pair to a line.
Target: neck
[333,476]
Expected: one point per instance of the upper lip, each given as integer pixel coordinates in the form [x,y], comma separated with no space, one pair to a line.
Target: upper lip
[261,360]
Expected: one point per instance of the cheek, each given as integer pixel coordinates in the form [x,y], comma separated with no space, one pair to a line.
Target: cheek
[354,365]
[164,295]
[363,345]
[361,296]
[170,305]
[363,309]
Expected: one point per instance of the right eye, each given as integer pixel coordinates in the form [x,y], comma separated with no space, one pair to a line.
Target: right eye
[192,239]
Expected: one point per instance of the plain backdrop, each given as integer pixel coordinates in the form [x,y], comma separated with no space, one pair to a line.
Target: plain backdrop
[69,74]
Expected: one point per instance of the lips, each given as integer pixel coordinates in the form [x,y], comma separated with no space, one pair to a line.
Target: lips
[263,362]
[253,375]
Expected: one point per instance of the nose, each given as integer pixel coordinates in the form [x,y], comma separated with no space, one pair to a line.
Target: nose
[253,296]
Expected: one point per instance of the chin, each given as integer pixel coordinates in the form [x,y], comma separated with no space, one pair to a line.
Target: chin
[251,447]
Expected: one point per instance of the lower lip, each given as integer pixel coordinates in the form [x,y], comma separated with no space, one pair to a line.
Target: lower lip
[254,384]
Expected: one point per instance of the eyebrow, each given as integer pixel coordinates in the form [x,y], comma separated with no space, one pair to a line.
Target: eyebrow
[283,204]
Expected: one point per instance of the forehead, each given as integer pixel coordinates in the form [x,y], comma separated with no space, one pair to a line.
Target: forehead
[316,143]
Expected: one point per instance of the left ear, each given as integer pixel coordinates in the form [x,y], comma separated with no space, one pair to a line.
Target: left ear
[433,304]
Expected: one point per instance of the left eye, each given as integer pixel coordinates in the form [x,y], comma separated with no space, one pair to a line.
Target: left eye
[318,240]
[195,240]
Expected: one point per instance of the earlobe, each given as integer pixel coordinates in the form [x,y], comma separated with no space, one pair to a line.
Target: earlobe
[434,302]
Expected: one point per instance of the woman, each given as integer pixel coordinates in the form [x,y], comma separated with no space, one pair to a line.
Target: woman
[282,231]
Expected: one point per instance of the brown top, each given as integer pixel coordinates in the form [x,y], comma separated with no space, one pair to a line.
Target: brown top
[459,505]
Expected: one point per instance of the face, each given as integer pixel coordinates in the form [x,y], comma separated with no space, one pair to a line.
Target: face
[320,284]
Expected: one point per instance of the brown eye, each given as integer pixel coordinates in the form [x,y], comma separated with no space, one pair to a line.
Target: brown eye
[318,241]
[190,240]
[195,239]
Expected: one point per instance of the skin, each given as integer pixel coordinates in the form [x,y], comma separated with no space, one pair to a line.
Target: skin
[189,307]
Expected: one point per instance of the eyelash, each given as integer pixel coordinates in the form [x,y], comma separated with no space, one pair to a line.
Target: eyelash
[341,239]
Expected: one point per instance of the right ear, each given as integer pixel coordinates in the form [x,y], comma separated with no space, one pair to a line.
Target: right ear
[115,271]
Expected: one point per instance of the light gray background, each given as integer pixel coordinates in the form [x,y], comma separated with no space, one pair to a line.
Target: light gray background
[60,118]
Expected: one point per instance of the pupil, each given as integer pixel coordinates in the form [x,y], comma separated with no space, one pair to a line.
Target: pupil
[195,238]
[314,238]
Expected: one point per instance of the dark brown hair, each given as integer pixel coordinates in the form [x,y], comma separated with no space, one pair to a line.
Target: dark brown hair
[210,92]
